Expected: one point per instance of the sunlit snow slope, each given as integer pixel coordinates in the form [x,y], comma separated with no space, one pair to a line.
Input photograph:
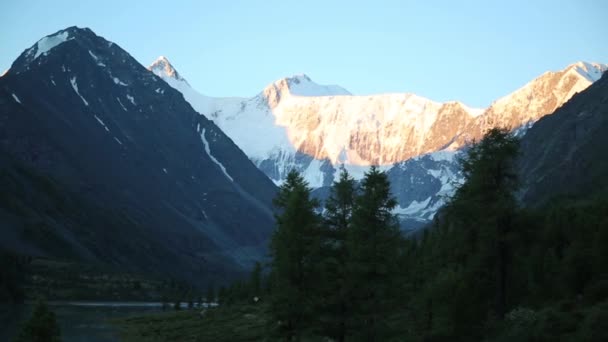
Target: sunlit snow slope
[296,123]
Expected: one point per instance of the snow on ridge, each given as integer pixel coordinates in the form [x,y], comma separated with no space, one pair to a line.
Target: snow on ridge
[591,71]
[132,99]
[44,45]
[217,162]
[414,208]
[119,82]
[123,107]
[101,122]
[474,112]
[100,63]
[302,85]
[16,98]
[75,87]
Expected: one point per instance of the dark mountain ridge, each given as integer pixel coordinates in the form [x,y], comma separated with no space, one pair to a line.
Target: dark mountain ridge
[564,154]
[79,111]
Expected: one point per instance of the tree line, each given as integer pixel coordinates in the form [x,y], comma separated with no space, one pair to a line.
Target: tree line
[486,269]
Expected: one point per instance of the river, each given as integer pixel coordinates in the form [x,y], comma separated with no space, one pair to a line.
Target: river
[80,321]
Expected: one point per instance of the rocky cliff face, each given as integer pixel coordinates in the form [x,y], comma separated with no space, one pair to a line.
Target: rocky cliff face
[296,123]
[536,99]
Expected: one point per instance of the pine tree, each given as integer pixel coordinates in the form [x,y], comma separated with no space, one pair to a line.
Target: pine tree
[373,244]
[41,327]
[488,191]
[334,288]
[295,257]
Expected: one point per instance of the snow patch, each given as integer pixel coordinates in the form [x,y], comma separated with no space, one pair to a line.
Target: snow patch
[132,99]
[119,82]
[118,141]
[53,81]
[100,63]
[45,44]
[443,155]
[591,71]
[302,85]
[75,87]
[101,122]
[217,162]
[123,107]
[414,208]
[164,170]
[312,174]
[16,98]
[473,112]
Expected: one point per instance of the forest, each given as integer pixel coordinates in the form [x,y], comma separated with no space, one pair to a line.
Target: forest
[487,269]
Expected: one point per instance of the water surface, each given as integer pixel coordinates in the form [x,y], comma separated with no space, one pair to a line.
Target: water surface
[80,321]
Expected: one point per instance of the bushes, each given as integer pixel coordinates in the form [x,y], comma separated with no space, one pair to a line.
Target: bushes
[41,327]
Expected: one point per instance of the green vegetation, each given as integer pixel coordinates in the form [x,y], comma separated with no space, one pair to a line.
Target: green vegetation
[486,270]
[41,327]
[69,280]
[244,322]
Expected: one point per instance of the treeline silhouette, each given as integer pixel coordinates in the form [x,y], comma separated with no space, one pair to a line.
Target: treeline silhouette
[487,269]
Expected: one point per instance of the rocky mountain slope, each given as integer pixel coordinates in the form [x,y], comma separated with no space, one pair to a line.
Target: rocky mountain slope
[134,176]
[296,123]
[565,153]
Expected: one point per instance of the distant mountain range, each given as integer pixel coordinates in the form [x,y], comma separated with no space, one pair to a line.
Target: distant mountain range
[296,123]
[105,161]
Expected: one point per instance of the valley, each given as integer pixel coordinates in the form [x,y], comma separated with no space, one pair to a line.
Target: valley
[135,208]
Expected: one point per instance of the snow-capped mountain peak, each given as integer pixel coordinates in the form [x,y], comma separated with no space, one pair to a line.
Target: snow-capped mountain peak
[164,69]
[46,45]
[297,123]
[591,71]
[302,85]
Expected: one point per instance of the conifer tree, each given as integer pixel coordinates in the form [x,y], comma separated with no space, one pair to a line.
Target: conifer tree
[373,244]
[295,253]
[489,194]
[333,310]
[41,327]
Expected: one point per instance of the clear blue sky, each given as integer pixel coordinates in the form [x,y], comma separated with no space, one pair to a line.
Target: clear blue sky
[473,51]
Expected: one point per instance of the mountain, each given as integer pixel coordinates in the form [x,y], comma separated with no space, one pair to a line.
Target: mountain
[565,153]
[414,139]
[119,169]
[542,96]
